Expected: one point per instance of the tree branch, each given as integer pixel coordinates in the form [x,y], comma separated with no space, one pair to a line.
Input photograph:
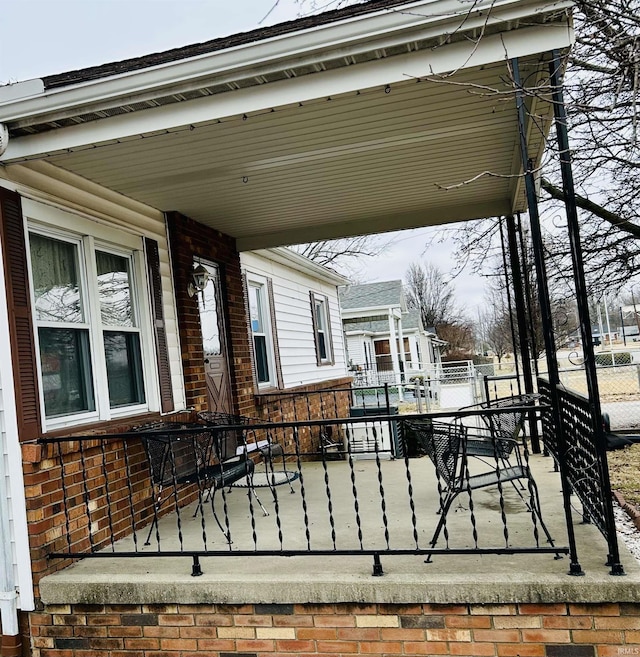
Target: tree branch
[606,215]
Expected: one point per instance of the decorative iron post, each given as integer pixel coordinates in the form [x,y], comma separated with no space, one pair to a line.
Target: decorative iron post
[545,313]
[521,315]
[582,301]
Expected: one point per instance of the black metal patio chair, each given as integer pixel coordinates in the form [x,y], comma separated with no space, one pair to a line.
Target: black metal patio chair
[446,446]
[502,431]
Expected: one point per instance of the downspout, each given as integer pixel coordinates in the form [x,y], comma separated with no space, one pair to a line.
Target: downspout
[8,595]
[4,138]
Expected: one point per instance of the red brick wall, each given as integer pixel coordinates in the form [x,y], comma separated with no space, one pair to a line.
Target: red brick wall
[311,402]
[57,495]
[190,239]
[261,630]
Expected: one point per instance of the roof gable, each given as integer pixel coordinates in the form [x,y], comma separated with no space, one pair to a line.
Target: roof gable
[372,295]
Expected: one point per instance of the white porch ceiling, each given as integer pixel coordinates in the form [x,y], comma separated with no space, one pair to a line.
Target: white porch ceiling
[375,160]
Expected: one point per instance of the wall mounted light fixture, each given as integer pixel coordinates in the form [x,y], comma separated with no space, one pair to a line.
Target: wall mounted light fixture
[199,280]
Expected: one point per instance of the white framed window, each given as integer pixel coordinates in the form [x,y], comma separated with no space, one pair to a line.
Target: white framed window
[260,322]
[322,329]
[89,310]
[407,351]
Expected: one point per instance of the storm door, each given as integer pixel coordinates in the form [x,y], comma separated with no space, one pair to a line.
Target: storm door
[216,358]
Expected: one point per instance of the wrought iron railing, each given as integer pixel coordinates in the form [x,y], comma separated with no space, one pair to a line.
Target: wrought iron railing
[355,499]
[584,459]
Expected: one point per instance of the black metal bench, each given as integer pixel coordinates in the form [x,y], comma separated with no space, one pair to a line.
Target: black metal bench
[186,454]
[503,430]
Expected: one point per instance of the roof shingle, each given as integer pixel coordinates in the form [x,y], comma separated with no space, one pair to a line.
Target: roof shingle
[222,43]
[371,295]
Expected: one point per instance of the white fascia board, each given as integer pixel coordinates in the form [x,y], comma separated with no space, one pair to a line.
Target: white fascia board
[400,68]
[364,313]
[290,258]
[382,29]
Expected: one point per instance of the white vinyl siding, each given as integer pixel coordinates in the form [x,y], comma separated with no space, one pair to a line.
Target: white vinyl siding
[355,349]
[296,341]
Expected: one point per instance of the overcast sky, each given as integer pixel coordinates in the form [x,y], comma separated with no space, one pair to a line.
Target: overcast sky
[42,37]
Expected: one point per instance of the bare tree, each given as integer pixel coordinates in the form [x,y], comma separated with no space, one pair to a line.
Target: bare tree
[460,339]
[429,292]
[344,254]
[495,323]
[432,294]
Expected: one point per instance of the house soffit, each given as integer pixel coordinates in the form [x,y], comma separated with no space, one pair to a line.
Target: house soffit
[316,155]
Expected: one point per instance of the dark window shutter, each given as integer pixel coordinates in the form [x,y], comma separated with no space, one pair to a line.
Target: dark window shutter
[160,333]
[274,334]
[20,319]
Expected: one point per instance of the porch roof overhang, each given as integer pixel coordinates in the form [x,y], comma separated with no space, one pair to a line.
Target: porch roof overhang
[371,311]
[387,120]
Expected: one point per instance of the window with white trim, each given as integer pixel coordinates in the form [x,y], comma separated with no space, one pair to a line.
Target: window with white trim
[259,316]
[322,329]
[89,340]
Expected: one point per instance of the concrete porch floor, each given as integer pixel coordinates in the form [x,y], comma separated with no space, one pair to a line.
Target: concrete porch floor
[449,578]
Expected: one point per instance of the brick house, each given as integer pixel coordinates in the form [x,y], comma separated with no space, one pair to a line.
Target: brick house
[116,183]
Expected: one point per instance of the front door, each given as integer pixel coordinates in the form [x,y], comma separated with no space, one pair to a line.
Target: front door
[216,361]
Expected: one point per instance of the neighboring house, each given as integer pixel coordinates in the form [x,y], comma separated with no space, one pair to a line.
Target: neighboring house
[127,192]
[382,335]
[294,319]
